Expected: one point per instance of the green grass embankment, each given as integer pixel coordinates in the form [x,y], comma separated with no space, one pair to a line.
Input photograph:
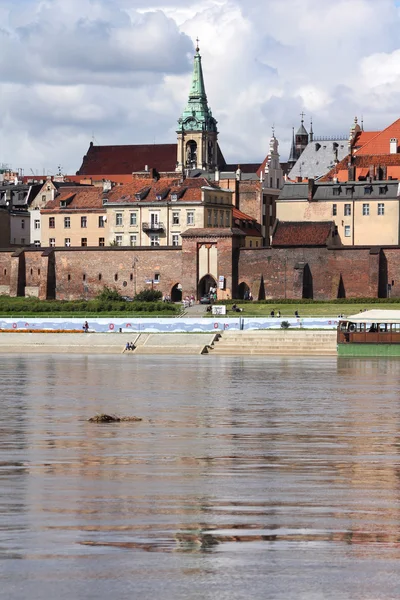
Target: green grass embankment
[32,307]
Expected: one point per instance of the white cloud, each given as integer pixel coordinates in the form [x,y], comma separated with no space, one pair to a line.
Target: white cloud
[121,69]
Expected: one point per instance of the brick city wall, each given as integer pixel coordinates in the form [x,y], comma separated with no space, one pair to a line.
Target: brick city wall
[319,273]
[282,272]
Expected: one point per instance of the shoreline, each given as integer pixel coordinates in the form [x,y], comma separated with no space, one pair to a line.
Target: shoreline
[227,343]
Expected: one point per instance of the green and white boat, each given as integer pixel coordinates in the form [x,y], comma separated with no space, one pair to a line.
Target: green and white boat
[370,333]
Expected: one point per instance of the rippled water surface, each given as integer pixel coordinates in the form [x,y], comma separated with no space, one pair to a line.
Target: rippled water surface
[247,478]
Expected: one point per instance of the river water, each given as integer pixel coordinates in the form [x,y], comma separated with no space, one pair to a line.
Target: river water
[248,478]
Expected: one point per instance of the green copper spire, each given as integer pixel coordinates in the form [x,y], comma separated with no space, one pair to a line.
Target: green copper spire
[197,116]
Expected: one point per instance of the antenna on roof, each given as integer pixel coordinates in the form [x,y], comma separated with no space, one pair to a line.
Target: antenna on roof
[362,122]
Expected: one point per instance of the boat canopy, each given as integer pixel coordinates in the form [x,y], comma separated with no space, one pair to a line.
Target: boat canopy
[375,316]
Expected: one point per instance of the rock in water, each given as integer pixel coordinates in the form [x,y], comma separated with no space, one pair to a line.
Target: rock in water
[103,418]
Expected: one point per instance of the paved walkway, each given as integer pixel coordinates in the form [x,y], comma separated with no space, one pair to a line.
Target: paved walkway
[197,310]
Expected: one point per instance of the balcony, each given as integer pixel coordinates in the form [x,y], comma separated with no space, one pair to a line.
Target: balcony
[156,227]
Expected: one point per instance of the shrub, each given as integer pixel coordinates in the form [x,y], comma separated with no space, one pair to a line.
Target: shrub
[109,294]
[285,324]
[148,296]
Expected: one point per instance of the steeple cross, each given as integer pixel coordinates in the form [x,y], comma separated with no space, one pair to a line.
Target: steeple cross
[302,114]
[197,44]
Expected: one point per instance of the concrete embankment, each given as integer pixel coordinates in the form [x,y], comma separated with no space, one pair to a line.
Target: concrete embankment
[105,343]
[242,343]
[277,342]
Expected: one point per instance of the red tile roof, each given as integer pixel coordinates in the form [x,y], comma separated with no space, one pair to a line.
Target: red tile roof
[188,191]
[118,160]
[362,164]
[84,198]
[302,233]
[363,137]
[380,143]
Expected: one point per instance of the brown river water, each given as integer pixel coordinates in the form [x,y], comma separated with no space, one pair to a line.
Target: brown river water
[248,478]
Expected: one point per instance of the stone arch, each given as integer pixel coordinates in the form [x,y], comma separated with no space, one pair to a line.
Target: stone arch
[176,293]
[204,285]
[243,290]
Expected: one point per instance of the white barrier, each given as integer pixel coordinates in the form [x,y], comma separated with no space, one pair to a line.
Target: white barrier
[154,325]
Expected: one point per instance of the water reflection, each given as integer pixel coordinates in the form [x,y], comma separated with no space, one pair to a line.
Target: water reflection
[234,458]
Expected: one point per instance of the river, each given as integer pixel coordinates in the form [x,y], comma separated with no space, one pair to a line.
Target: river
[248,478]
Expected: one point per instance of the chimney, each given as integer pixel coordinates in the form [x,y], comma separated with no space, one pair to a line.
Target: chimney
[238,173]
[310,189]
[393,145]
[106,186]
[299,179]
[216,174]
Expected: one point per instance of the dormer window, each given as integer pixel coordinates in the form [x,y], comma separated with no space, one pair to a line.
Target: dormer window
[382,190]
[368,190]
[63,204]
[174,197]
[336,190]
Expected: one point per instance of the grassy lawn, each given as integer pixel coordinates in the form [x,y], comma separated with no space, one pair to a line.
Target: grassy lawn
[308,310]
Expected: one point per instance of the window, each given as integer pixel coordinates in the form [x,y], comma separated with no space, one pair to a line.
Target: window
[227,218]
[22,223]
[101,242]
[36,243]
[101,221]
[250,244]
[37,223]
[382,190]
[67,222]
[347,231]
[175,239]
[175,218]
[154,239]
[67,242]
[84,222]
[270,182]
[133,219]
[277,182]
[84,242]
[44,198]
[209,218]
[365,210]
[190,218]
[22,240]
[156,277]
[52,222]
[118,219]
[334,210]
[347,210]
[52,242]
[381,208]
[368,189]
[336,191]
[118,240]
[215,218]
[116,277]
[221,218]
[133,239]
[69,277]
[349,190]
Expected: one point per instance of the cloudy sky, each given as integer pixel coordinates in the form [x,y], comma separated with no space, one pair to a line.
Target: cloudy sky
[118,72]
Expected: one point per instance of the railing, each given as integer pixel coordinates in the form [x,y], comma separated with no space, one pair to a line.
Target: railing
[153,227]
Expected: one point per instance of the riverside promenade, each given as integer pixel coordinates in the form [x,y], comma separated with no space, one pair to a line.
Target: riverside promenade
[228,343]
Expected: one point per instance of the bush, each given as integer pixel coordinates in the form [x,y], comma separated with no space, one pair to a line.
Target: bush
[285,324]
[148,296]
[109,294]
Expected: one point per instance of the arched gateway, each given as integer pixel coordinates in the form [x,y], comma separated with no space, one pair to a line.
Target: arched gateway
[205,284]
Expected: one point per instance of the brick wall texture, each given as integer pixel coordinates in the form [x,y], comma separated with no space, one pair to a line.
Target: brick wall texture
[318,273]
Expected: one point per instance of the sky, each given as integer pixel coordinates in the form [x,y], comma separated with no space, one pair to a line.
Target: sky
[118,72]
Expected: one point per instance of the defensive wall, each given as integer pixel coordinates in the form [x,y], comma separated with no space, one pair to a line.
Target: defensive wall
[303,272]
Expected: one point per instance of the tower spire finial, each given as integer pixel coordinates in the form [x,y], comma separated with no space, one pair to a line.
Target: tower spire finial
[197,44]
[302,114]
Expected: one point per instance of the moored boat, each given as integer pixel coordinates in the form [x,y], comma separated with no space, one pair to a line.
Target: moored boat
[370,333]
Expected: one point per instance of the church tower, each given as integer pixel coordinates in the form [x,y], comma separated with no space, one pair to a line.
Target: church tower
[197,128]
